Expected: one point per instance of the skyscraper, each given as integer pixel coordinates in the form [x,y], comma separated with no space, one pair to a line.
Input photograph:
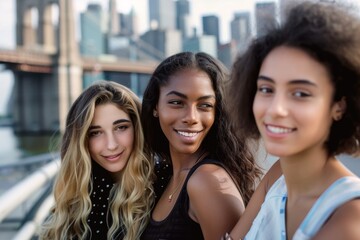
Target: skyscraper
[94,27]
[128,23]
[183,17]
[241,29]
[205,43]
[210,25]
[227,53]
[164,42]
[162,14]
[114,23]
[93,31]
[265,14]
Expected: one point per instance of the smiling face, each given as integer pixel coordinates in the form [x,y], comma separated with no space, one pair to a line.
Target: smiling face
[111,137]
[293,105]
[186,110]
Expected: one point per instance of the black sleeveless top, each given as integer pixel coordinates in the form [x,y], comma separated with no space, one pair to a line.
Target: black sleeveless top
[178,225]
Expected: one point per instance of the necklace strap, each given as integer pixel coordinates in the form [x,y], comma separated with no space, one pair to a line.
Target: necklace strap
[170,197]
[175,190]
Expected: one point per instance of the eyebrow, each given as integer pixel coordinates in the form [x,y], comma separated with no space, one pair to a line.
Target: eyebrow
[185,97]
[114,123]
[292,82]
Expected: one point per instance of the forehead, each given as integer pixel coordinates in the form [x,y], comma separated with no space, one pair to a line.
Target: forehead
[289,63]
[187,81]
[108,111]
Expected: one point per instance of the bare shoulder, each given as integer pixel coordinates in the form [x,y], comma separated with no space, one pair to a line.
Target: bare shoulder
[210,176]
[213,195]
[343,224]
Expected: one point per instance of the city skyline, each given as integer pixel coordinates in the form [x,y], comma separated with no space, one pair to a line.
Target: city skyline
[198,9]
[224,9]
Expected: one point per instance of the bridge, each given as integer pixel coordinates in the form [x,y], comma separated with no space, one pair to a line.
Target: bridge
[40,62]
[49,71]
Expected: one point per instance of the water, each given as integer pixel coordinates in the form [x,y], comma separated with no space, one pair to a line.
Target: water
[14,147]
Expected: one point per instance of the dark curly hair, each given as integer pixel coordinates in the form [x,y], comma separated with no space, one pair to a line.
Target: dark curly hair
[330,34]
[221,142]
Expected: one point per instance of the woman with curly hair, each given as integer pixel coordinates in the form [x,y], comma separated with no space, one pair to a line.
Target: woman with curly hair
[205,174]
[298,88]
[103,189]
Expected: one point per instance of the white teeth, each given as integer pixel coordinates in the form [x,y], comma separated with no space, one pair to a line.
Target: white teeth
[188,134]
[278,129]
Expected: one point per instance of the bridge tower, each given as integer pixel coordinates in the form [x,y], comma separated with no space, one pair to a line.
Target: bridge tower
[45,98]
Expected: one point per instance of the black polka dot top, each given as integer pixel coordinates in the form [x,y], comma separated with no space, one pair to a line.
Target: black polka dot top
[100,219]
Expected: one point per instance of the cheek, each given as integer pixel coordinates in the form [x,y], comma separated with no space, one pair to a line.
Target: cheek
[166,119]
[127,139]
[94,146]
[257,107]
[210,119]
[168,115]
[317,117]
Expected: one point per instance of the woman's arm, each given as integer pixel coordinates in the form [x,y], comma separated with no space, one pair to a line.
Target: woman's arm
[254,205]
[343,224]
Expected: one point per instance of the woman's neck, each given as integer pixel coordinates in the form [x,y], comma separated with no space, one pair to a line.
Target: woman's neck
[182,162]
[308,172]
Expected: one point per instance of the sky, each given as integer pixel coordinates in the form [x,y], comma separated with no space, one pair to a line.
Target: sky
[225,9]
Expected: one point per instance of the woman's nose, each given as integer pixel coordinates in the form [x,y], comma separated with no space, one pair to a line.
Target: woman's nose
[191,115]
[278,106]
[112,143]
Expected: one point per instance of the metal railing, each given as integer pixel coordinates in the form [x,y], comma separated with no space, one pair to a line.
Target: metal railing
[30,161]
[30,227]
[24,190]
[12,198]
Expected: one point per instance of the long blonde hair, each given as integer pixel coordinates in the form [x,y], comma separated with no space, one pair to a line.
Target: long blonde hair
[131,198]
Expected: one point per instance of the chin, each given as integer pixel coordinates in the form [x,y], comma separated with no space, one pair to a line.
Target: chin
[115,169]
[277,151]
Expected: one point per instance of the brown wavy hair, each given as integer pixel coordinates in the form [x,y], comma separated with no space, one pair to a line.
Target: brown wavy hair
[330,33]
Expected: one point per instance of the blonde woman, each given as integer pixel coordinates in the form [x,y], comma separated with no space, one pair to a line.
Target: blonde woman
[103,189]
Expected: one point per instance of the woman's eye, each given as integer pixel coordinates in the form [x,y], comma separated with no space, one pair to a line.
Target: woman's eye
[301,94]
[175,102]
[122,127]
[206,105]
[94,133]
[264,89]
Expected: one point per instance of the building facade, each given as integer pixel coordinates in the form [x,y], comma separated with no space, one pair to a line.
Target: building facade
[210,24]
[266,15]
[162,14]
[93,31]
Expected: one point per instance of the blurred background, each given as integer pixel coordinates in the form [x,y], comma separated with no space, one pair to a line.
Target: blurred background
[50,50]
[47,58]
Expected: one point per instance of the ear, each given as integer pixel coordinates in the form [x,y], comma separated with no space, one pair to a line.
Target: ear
[339,109]
[155,112]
